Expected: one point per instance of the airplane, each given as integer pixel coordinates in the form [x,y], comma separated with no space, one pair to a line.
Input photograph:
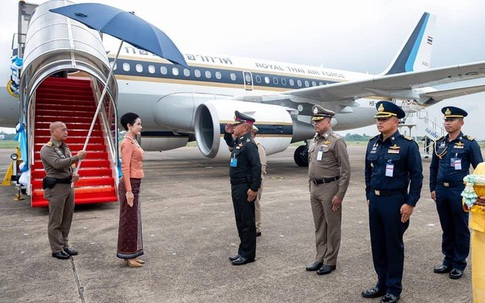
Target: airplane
[179,105]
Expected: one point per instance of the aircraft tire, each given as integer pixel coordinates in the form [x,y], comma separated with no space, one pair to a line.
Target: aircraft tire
[301,156]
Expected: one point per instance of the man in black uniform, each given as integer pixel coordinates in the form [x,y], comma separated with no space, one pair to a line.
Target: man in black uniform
[452,157]
[392,165]
[245,173]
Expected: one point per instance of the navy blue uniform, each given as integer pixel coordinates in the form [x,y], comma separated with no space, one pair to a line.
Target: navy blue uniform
[450,164]
[245,173]
[393,177]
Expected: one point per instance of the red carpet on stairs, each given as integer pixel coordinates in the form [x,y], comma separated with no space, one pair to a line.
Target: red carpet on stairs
[72,102]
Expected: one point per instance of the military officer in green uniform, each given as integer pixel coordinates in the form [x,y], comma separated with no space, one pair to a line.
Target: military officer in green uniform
[245,173]
[59,166]
[453,155]
[329,176]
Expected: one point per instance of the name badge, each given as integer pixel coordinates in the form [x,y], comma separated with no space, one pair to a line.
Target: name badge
[233,162]
[320,154]
[456,163]
[389,170]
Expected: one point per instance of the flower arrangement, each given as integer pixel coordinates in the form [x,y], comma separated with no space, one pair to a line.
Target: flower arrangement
[475,187]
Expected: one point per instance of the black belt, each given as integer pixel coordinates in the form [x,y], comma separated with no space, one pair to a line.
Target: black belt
[324,180]
[380,192]
[64,180]
[450,183]
[239,181]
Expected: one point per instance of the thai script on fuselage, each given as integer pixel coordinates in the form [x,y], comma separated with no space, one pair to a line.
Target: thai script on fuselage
[299,70]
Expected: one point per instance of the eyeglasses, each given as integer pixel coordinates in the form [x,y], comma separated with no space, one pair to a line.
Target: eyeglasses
[451,119]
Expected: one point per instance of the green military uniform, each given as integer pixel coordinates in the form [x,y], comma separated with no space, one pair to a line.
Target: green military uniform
[58,163]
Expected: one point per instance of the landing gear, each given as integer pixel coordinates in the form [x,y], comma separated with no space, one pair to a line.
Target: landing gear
[301,156]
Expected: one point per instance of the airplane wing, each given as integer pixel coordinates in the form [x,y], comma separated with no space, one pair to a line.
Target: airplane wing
[439,95]
[390,86]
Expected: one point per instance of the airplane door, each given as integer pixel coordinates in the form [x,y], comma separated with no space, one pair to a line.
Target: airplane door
[248,80]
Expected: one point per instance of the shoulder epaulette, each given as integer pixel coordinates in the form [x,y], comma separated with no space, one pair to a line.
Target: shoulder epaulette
[49,143]
[440,138]
[469,137]
[408,138]
[336,136]
[375,137]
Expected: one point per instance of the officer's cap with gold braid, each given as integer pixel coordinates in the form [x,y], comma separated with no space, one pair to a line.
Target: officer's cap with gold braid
[386,109]
[453,112]
[320,113]
[242,118]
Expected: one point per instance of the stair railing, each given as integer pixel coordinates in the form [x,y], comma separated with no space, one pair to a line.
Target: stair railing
[109,124]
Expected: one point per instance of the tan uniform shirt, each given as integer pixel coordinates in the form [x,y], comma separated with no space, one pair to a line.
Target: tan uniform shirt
[334,160]
[57,160]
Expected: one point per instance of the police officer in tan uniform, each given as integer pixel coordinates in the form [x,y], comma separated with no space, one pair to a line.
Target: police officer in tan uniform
[264,162]
[329,176]
[59,166]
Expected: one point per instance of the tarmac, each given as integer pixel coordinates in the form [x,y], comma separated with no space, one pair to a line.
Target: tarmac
[189,232]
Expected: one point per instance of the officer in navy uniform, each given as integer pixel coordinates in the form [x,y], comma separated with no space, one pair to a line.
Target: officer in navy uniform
[393,179]
[452,157]
[245,173]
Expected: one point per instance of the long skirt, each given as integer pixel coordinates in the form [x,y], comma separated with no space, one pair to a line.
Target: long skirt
[130,238]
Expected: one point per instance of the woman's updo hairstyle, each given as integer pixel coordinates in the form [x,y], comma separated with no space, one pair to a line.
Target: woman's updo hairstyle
[128,118]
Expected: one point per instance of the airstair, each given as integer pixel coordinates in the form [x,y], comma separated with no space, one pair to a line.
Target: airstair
[65,68]
[72,102]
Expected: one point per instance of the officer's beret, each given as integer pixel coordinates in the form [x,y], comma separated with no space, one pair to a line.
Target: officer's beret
[255,129]
[453,112]
[320,113]
[242,118]
[386,109]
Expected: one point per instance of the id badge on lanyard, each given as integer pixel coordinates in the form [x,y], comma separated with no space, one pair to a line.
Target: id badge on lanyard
[389,169]
[233,162]
[320,154]
[456,163]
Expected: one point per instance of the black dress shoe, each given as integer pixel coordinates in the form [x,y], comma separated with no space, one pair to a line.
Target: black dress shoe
[70,251]
[442,269]
[258,234]
[234,257]
[60,255]
[242,261]
[455,273]
[314,266]
[374,292]
[389,298]
[326,269]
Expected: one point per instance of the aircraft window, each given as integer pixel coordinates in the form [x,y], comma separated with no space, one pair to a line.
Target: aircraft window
[197,73]
[292,82]
[320,83]
[208,74]
[283,81]
[275,80]
[126,67]
[218,75]
[266,80]
[151,69]
[258,79]
[247,78]
[233,76]
[298,82]
[175,71]
[314,83]
[307,84]
[163,70]
[139,68]
[186,72]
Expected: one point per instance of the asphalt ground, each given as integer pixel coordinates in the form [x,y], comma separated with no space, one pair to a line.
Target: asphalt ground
[189,233]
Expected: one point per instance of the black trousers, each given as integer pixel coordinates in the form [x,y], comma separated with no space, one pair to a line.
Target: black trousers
[246,226]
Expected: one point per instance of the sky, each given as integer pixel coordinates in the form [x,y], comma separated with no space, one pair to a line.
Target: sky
[361,36]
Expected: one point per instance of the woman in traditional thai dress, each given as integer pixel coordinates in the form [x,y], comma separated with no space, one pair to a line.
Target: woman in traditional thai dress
[130,238]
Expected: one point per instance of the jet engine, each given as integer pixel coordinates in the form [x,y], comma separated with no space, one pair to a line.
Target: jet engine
[274,122]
